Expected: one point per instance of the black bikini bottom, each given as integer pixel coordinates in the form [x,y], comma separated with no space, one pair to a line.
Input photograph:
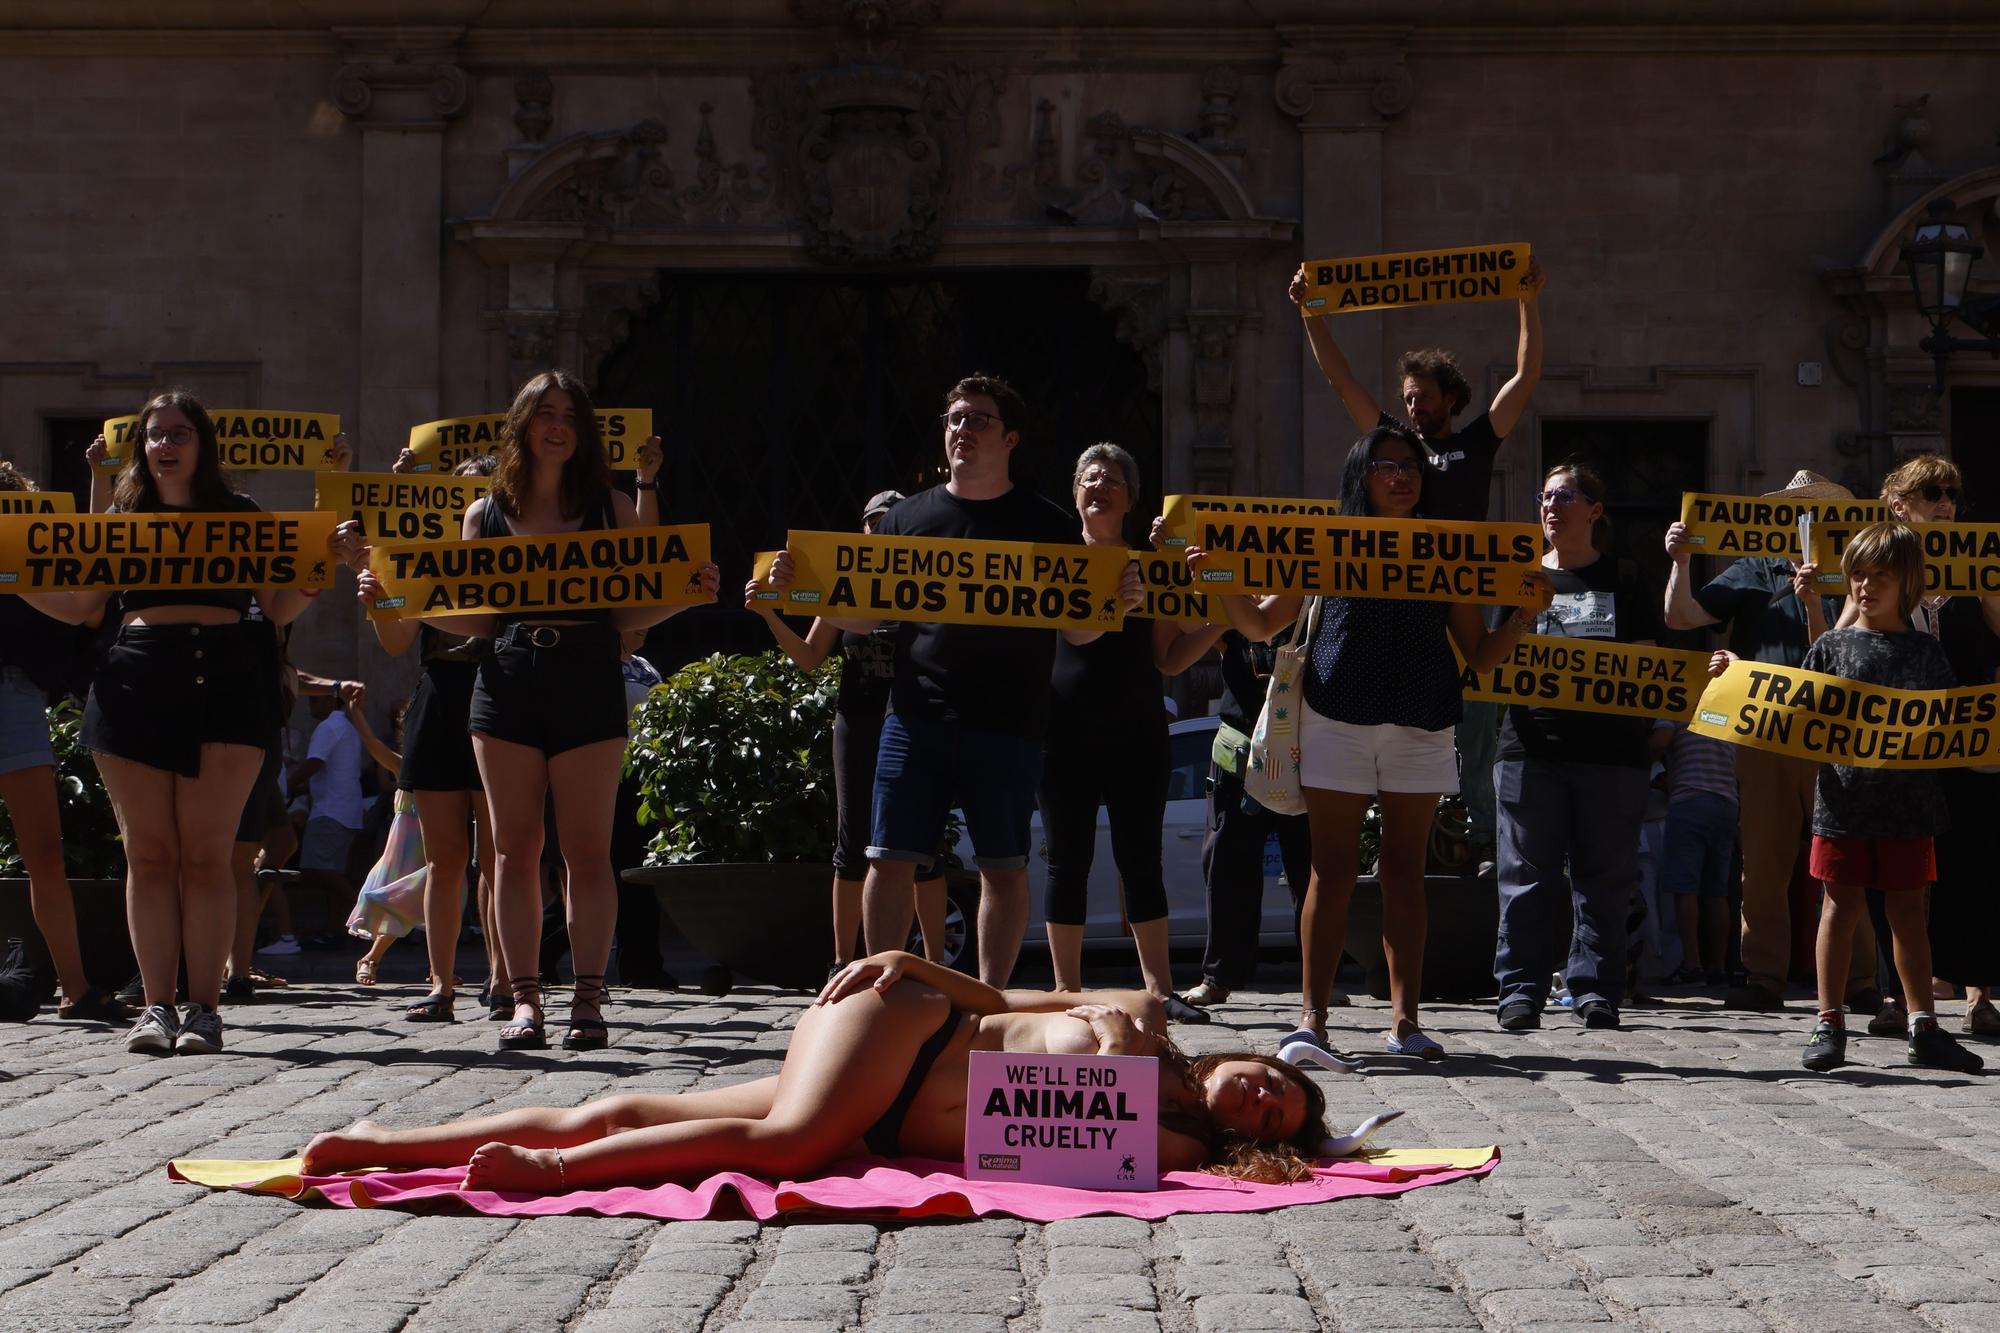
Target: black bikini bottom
[883,1137]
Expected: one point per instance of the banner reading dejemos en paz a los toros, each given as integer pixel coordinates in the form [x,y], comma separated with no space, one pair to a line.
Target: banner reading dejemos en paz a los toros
[1839,721]
[1593,676]
[951,581]
[1177,514]
[1331,555]
[400,506]
[566,571]
[72,552]
[442,445]
[250,439]
[1416,277]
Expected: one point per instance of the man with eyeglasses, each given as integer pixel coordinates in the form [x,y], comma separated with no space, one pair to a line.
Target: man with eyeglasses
[1458,481]
[968,703]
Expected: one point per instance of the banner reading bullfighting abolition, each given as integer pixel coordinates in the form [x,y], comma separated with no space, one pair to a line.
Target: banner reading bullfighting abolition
[1730,526]
[400,507]
[250,438]
[1178,513]
[441,446]
[1959,558]
[951,581]
[1369,557]
[1593,676]
[1840,721]
[37,502]
[1416,277]
[71,552]
[567,571]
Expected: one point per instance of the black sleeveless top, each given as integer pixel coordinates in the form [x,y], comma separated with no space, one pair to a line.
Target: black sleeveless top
[229,599]
[493,523]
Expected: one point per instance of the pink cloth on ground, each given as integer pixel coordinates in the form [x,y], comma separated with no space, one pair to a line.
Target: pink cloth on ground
[905,1187]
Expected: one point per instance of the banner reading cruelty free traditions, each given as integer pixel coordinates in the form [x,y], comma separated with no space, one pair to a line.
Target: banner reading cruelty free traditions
[1178,514]
[1593,676]
[1731,526]
[400,507]
[68,552]
[250,438]
[568,571]
[1416,277]
[951,581]
[37,502]
[1959,558]
[1839,721]
[1370,557]
[441,446]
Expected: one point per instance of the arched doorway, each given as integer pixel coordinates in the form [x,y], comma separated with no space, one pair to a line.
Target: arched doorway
[786,400]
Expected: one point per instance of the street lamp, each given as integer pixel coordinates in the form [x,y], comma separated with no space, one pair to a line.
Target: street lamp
[1940,254]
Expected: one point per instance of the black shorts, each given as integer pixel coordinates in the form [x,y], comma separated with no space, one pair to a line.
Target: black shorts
[164,691]
[556,694]
[265,808]
[437,730]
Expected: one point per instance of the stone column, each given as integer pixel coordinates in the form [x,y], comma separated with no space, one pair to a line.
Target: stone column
[1342,103]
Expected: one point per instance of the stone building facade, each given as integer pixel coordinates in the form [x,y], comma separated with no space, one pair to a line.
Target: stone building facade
[397,211]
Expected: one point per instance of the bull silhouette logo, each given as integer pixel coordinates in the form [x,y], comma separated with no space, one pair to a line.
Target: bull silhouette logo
[1127,1168]
[694,582]
[1109,611]
[318,570]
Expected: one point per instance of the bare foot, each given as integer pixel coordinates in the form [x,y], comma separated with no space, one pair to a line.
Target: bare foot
[358,1145]
[502,1166]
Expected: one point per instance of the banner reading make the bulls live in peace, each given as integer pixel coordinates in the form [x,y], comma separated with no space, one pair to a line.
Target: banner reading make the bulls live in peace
[1840,721]
[400,507]
[441,446]
[1593,676]
[1416,277]
[70,552]
[568,571]
[250,438]
[1429,560]
[951,581]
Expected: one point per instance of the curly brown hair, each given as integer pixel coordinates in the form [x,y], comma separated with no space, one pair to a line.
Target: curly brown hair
[13,479]
[586,474]
[1229,1154]
[1440,368]
[208,489]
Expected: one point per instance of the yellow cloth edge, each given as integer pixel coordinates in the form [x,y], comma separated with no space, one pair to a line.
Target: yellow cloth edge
[1454,1158]
[284,1175]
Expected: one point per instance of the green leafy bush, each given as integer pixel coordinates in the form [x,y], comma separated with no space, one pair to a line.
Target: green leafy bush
[734,757]
[91,846]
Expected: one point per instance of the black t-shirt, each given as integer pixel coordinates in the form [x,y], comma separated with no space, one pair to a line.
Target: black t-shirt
[1458,471]
[1605,599]
[992,677]
[1109,686]
[1880,802]
[867,665]
[1766,620]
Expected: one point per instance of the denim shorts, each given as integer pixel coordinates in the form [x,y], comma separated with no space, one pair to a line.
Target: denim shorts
[24,723]
[924,762]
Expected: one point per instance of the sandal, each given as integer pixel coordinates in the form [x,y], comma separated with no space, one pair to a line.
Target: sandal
[263,980]
[588,1034]
[95,1005]
[433,1008]
[529,1035]
[364,973]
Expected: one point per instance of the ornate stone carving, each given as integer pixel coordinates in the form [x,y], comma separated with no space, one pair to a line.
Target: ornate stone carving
[608,310]
[722,191]
[417,88]
[1219,88]
[1913,410]
[627,187]
[531,336]
[1136,300]
[868,20]
[534,95]
[1213,334]
[1369,88]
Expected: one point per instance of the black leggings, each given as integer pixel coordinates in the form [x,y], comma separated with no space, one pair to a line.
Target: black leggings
[1128,775]
[855,741]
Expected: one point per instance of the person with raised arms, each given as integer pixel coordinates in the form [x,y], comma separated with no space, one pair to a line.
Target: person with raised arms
[1382,695]
[181,710]
[877,1065]
[548,714]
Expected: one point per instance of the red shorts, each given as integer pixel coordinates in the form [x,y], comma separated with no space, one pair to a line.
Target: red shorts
[1893,865]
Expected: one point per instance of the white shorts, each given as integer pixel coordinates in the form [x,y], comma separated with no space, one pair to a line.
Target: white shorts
[1365,761]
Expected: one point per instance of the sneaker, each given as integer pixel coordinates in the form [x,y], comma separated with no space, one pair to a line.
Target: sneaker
[1755,998]
[155,1031]
[1204,995]
[284,944]
[1889,1020]
[1597,1014]
[1828,1047]
[1519,1014]
[239,990]
[1934,1048]
[201,1032]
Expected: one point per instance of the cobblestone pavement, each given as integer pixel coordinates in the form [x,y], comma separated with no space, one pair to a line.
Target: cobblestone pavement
[1680,1175]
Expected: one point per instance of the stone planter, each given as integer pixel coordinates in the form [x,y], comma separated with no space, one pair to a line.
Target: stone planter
[1464,921]
[100,926]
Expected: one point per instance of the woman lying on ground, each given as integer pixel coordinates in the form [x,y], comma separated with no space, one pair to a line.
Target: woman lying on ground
[874,1067]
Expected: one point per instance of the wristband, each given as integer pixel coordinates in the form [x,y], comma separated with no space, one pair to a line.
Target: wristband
[646,485]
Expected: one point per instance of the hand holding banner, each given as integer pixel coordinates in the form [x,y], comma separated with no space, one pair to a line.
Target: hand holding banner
[546,575]
[250,438]
[1335,556]
[1417,277]
[1593,676]
[1740,525]
[1839,721]
[1960,559]
[77,552]
[400,507]
[442,445]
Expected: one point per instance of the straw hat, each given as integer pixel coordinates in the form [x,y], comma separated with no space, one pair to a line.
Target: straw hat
[1806,485]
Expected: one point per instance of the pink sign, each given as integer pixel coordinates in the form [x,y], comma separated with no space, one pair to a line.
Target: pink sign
[1091,1121]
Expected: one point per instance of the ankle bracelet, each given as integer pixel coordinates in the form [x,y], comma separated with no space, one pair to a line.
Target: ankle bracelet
[561,1175]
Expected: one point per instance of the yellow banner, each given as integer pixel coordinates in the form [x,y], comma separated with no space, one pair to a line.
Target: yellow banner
[251,438]
[567,571]
[1170,590]
[37,502]
[69,552]
[1593,676]
[400,507]
[1960,559]
[1430,560]
[441,446]
[1731,526]
[1416,277]
[1180,510]
[952,581]
[1839,721]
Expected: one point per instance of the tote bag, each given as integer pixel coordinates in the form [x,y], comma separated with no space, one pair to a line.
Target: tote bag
[1272,779]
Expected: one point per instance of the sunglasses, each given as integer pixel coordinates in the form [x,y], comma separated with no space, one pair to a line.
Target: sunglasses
[1935,493]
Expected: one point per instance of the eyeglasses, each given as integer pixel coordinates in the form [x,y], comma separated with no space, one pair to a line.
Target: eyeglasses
[1108,480]
[1561,495]
[1394,467]
[181,435]
[975,422]
[1935,493]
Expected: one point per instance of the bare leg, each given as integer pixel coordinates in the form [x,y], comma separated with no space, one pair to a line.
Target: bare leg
[1910,933]
[1150,938]
[249,906]
[516,778]
[30,797]
[1066,954]
[445,819]
[846,918]
[585,783]
[1334,819]
[1844,906]
[482,892]
[143,799]
[1003,920]
[931,901]
[888,900]
[1406,828]
[206,811]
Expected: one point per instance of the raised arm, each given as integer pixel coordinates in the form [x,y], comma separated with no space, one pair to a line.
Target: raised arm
[1682,611]
[1512,400]
[354,697]
[1176,647]
[102,482]
[806,653]
[650,458]
[784,573]
[1360,403]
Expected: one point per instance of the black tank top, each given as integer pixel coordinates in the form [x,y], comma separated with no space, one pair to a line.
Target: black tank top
[493,523]
[229,599]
